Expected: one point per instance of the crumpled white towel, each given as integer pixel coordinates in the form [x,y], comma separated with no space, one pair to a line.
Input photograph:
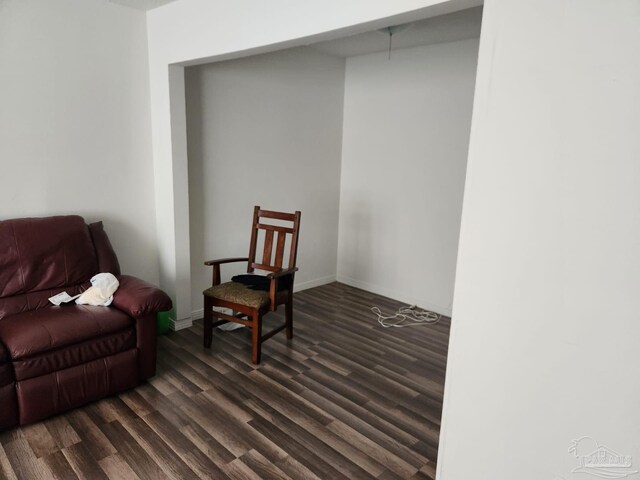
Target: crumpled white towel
[100,293]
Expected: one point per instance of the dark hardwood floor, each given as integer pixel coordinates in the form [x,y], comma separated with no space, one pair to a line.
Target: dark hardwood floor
[346,399]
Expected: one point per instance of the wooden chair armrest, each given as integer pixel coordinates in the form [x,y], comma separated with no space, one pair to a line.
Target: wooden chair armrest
[273,287]
[215,277]
[282,273]
[226,260]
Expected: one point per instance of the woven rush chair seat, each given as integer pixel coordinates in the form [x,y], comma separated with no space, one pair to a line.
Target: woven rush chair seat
[241,294]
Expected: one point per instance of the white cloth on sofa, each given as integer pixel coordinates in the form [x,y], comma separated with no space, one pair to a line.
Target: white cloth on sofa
[100,293]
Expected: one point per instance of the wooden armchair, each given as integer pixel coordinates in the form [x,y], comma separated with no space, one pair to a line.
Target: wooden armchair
[248,304]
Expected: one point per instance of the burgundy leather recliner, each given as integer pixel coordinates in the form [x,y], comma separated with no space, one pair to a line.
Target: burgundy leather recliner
[55,358]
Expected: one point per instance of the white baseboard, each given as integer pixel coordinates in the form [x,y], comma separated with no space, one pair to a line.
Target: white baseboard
[386,292]
[180,324]
[298,287]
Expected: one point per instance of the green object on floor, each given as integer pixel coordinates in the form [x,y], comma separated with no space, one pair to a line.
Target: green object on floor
[163,322]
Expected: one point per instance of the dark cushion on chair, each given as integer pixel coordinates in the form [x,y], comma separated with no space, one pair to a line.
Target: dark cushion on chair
[31,333]
[261,282]
[238,293]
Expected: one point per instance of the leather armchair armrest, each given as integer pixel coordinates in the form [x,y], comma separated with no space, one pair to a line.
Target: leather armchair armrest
[138,298]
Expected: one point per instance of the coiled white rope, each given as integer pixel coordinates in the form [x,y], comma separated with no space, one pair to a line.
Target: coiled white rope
[413,314]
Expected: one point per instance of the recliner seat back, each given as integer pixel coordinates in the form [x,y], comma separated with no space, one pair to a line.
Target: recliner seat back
[40,257]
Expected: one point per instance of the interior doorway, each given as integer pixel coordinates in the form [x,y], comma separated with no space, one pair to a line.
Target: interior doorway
[367,135]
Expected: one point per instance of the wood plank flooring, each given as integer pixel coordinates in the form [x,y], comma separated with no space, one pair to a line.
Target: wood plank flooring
[346,399]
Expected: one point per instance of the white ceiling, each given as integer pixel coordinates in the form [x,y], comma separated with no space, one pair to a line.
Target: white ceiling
[142,4]
[455,26]
[445,28]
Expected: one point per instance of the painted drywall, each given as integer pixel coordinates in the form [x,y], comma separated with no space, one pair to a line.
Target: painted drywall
[75,127]
[201,31]
[544,341]
[264,130]
[405,142]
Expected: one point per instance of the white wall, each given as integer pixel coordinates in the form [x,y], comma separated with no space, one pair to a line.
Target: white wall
[405,141]
[75,132]
[264,130]
[200,31]
[544,345]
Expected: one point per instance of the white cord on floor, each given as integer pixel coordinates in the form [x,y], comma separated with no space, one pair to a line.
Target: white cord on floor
[414,314]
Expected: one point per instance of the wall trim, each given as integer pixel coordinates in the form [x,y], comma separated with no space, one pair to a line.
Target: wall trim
[298,287]
[197,314]
[385,292]
[181,324]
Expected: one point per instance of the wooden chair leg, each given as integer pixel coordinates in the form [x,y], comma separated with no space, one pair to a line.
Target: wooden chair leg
[288,315]
[256,338]
[208,322]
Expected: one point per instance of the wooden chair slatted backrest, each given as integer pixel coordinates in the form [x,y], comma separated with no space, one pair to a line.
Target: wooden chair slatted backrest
[280,233]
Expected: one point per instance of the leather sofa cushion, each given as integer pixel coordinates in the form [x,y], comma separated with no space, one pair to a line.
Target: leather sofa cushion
[107,259]
[72,355]
[55,392]
[6,374]
[35,300]
[31,333]
[45,253]
[8,407]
